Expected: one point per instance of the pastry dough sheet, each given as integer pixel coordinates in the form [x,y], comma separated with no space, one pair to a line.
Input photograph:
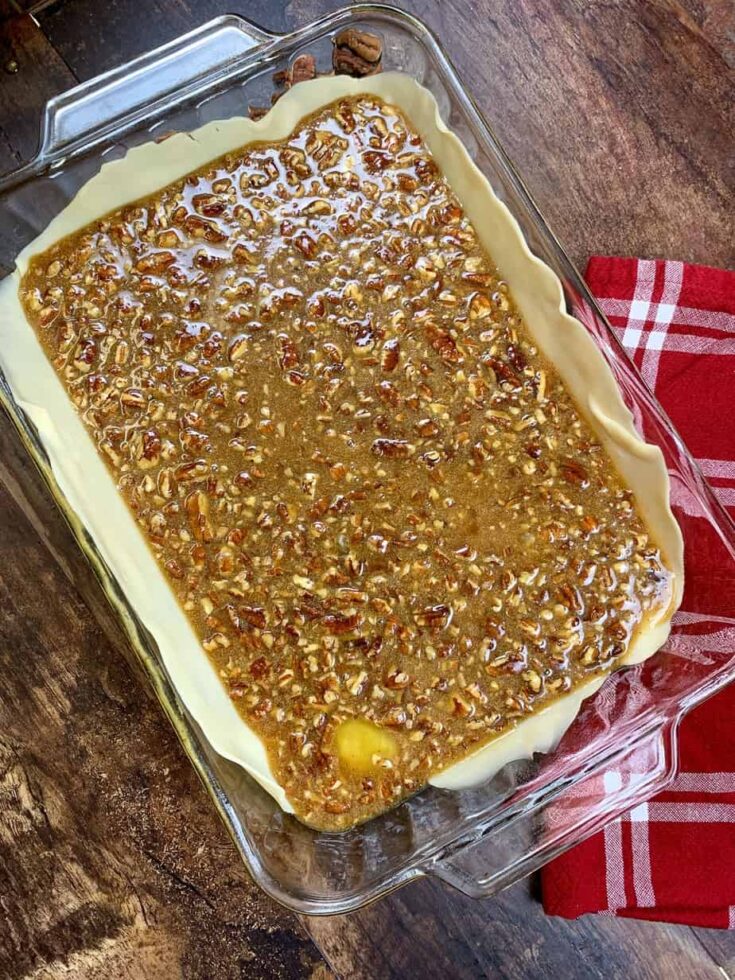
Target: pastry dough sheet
[90,490]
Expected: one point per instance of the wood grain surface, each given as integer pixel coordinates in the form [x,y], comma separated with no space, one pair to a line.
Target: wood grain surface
[620,115]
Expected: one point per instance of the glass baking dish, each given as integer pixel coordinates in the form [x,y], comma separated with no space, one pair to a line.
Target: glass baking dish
[479,840]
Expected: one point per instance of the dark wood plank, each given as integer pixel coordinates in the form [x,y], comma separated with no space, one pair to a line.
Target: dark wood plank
[75,26]
[31,72]
[619,115]
[716,22]
[8,8]
[720,945]
[112,860]
[428,931]
[626,145]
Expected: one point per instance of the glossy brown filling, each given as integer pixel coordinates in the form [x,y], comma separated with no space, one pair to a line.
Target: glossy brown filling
[386,520]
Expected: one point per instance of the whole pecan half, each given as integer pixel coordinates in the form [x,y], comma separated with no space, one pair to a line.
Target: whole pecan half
[357,53]
[303,69]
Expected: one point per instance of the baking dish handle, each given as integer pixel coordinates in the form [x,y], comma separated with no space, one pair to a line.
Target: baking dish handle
[119,99]
[532,836]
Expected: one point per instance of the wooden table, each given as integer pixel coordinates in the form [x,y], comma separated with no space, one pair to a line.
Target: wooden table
[112,860]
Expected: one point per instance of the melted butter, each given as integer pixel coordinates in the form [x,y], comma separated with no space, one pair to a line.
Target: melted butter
[363,747]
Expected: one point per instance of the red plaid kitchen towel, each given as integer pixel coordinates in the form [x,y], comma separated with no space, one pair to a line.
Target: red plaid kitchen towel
[673,858]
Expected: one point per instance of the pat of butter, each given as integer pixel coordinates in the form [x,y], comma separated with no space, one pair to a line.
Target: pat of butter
[362,744]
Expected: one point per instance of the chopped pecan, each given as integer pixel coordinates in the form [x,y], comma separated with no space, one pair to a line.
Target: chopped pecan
[516,357]
[391,353]
[197,507]
[393,448]
[288,357]
[503,372]
[306,245]
[253,615]
[338,624]
[574,473]
[443,343]
[435,617]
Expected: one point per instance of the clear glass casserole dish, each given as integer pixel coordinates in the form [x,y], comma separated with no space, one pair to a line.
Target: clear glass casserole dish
[481,839]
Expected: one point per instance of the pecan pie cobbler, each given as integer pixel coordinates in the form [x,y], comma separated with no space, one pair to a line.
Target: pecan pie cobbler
[390,527]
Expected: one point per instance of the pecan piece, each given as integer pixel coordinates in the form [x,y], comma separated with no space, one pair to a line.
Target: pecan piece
[459,706]
[397,679]
[494,629]
[389,359]
[483,279]
[427,428]
[337,806]
[388,393]
[174,569]
[306,245]
[238,346]
[357,53]
[444,344]
[151,445]
[289,356]
[375,161]
[244,254]
[253,615]
[303,69]
[155,262]
[337,624]
[259,668]
[193,470]
[209,205]
[197,507]
[245,618]
[574,473]
[133,399]
[85,354]
[394,717]
[503,371]
[392,448]
[435,617]
[516,357]
[346,62]
[571,598]
[200,228]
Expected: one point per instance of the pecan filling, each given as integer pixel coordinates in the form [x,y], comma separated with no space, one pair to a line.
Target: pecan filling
[388,524]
